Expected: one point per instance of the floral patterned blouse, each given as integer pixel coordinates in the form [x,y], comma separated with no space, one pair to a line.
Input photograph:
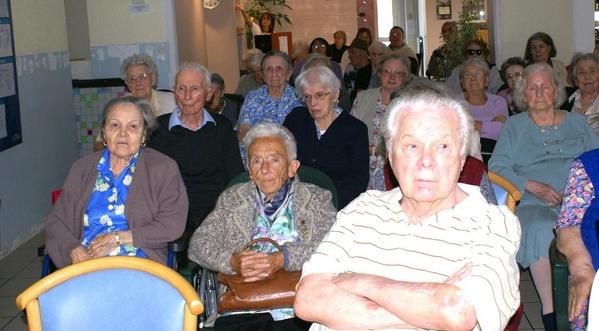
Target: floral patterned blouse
[377,161]
[105,212]
[577,197]
[259,106]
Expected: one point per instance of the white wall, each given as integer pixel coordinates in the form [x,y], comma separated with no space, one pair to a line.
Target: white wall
[110,23]
[115,33]
[30,170]
[313,19]
[516,21]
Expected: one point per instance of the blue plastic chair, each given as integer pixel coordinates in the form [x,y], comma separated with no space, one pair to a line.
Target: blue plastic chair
[112,293]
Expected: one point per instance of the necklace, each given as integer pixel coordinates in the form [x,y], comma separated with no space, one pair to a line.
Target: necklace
[546,129]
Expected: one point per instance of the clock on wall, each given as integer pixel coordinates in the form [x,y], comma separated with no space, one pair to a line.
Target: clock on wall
[211,4]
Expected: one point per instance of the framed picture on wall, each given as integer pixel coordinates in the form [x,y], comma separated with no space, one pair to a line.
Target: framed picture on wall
[443,9]
[10,118]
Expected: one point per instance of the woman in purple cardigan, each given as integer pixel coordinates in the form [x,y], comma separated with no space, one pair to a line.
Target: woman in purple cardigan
[125,200]
[489,111]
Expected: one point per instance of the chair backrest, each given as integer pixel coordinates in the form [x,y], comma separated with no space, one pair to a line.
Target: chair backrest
[505,192]
[108,293]
[307,175]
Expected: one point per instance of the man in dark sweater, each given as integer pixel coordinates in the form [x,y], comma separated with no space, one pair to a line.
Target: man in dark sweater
[203,144]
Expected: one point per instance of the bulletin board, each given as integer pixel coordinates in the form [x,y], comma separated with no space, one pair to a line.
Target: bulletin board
[10,118]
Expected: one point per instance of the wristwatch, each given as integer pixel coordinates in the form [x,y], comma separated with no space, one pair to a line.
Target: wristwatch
[117,238]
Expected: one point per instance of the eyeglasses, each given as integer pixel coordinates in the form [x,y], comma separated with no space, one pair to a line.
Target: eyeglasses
[514,75]
[474,51]
[139,78]
[318,96]
[318,46]
[389,73]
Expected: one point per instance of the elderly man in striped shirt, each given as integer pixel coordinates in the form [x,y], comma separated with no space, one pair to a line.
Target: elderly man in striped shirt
[432,254]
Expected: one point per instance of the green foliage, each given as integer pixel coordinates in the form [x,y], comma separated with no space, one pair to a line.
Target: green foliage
[278,9]
[465,31]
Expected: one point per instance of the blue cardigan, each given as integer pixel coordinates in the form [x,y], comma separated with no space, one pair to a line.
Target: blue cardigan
[341,152]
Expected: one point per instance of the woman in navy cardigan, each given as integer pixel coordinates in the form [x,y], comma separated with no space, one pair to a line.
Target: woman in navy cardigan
[328,138]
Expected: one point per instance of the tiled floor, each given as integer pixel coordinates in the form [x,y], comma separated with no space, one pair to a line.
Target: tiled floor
[22,268]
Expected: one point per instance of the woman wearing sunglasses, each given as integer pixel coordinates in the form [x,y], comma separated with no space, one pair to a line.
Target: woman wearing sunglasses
[475,48]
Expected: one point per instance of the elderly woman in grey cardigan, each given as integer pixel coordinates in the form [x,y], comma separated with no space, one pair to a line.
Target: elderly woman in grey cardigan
[274,204]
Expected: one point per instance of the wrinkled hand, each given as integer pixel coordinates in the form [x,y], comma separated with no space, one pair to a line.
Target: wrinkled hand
[580,288]
[546,193]
[499,118]
[79,254]
[254,266]
[102,245]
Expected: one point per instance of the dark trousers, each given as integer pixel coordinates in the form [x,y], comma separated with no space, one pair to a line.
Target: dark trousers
[259,322]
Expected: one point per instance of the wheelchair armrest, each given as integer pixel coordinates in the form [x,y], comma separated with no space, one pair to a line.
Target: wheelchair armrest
[180,245]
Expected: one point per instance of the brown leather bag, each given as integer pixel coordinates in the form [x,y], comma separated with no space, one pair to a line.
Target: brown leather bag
[276,291]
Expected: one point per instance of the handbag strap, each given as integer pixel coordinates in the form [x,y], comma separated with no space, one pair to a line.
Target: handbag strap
[257,240]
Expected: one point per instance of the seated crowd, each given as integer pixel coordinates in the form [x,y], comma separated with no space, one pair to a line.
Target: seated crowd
[431,253]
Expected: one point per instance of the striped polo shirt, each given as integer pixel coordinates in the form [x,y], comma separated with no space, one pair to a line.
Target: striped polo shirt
[373,235]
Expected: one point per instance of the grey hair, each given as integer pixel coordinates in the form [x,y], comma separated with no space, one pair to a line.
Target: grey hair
[482,65]
[144,107]
[197,68]
[378,46]
[316,59]
[317,75]
[522,84]
[427,96]
[139,60]
[280,54]
[395,56]
[576,59]
[217,80]
[269,129]
[254,58]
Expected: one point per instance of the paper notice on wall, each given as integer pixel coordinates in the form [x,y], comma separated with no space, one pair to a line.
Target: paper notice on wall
[5,40]
[283,44]
[139,8]
[7,80]
[4,8]
[3,129]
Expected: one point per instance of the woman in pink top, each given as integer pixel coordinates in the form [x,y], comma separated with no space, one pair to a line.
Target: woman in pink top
[488,111]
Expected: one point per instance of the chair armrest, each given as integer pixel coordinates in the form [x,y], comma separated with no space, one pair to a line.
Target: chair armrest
[180,245]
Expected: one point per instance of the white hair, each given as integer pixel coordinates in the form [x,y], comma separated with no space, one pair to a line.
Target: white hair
[427,96]
[269,129]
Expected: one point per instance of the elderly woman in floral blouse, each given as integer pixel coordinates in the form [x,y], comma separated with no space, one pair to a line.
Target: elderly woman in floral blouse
[577,233]
[270,102]
[124,200]
[370,107]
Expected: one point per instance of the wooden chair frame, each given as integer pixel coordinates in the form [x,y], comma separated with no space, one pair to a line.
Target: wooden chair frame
[28,299]
[513,194]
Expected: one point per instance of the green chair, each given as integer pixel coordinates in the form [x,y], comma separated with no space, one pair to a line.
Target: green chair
[559,274]
[307,175]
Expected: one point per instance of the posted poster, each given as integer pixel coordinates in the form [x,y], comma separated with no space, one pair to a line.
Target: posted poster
[7,80]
